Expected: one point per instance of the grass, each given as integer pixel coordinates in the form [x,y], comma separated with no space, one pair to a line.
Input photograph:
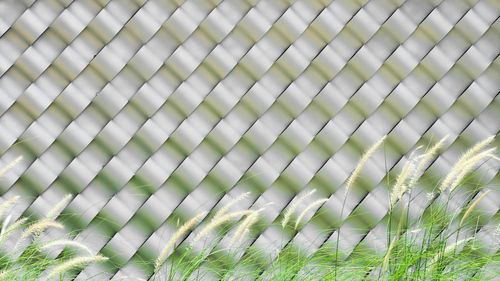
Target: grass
[442,243]
[26,255]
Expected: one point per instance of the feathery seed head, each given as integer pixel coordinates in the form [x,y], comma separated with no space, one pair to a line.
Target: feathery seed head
[217,222]
[430,195]
[472,206]
[465,162]
[400,186]
[181,232]
[5,223]
[425,159]
[362,162]
[7,204]
[40,226]
[10,165]
[66,243]
[291,209]
[496,233]
[13,227]
[226,207]
[475,149]
[244,226]
[54,212]
[74,263]
[313,205]
[466,167]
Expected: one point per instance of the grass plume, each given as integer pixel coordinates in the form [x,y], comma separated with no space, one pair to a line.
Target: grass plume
[66,243]
[293,206]
[465,161]
[233,202]
[362,162]
[11,228]
[467,166]
[54,212]
[401,184]
[74,263]
[181,232]
[244,226]
[311,206]
[10,165]
[472,206]
[40,226]
[7,204]
[217,221]
[425,159]
[30,262]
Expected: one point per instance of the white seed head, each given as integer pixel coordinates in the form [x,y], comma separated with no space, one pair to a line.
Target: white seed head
[462,170]
[181,232]
[228,206]
[10,165]
[245,226]
[54,212]
[496,232]
[400,187]
[74,263]
[66,243]
[7,204]
[472,206]
[355,174]
[430,195]
[463,162]
[476,148]
[5,224]
[311,206]
[40,226]
[291,209]
[424,161]
[217,222]
[13,227]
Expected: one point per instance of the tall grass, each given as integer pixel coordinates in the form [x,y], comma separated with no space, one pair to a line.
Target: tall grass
[442,243]
[26,255]
[427,248]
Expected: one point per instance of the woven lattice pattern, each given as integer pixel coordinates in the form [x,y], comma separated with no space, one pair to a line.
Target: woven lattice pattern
[151,111]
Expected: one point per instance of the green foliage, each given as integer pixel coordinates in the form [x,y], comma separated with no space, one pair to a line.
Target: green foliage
[439,245]
[429,248]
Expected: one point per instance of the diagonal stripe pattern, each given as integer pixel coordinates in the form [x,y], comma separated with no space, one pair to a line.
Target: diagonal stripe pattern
[151,111]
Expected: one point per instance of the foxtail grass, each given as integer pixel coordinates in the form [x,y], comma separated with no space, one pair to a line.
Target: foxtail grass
[66,243]
[54,212]
[311,206]
[422,248]
[472,206]
[30,263]
[350,183]
[10,165]
[233,202]
[7,204]
[74,263]
[362,162]
[294,205]
[244,227]
[464,163]
[217,221]
[183,230]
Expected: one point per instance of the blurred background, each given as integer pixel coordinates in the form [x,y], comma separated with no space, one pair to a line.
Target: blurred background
[151,111]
